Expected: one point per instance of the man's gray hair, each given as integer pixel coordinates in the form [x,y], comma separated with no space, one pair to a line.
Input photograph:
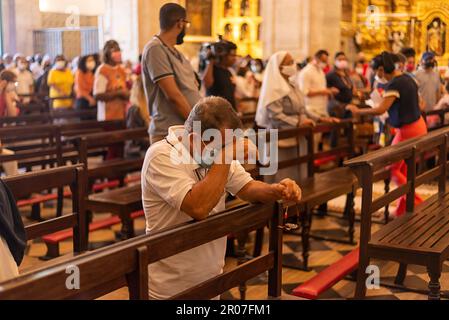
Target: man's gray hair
[213,113]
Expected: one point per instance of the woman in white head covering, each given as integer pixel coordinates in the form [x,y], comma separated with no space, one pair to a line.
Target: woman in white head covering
[281,106]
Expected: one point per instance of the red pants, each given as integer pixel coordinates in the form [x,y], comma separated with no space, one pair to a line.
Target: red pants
[399,170]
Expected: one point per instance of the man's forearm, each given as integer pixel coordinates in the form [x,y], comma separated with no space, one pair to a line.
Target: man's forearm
[314,93]
[182,106]
[206,194]
[208,78]
[257,191]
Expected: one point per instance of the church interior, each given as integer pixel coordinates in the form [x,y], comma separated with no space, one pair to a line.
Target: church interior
[347,100]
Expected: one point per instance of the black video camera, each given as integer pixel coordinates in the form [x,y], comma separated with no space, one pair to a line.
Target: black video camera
[215,51]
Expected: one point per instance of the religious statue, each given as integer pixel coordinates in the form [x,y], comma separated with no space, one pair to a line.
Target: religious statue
[228,8]
[435,37]
[397,41]
[244,32]
[245,8]
[228,32]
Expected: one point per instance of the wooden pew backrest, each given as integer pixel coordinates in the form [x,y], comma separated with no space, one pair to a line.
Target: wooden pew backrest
[126,263]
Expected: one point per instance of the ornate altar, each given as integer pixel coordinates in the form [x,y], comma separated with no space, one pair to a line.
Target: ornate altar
[238,21]
[377,25]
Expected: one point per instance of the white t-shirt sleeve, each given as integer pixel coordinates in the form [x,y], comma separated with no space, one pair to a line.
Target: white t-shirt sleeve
[169,180]
[238,179]
[100,84]
[305,82]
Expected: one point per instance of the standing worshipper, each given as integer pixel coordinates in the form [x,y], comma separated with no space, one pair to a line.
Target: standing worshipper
[172,86]
[402,102]
[84,84]
[430,86]
[60,80]
[312,82]
[339,78]
[218,80]
[110,89]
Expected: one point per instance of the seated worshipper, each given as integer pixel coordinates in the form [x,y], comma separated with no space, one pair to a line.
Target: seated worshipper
[61,80]
[12,235]
[8,108]
[179,185]
[282,106]
[402,102]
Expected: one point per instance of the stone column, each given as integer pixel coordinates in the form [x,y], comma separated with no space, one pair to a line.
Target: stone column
[121,22]
[301,26]
[20,18]
[148,15]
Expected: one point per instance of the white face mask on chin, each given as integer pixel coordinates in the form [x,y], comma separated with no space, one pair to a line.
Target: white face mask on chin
[342,64]
[60,65]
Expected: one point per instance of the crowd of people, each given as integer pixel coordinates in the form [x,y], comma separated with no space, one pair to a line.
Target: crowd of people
[166,93]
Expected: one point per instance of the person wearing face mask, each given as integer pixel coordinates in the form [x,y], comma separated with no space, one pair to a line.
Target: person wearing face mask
[8,61]
[410,54]
[402,102]
[282,106]
[217,79]
[8,108]
[430,84]
[360,82]
[60,80]
[339,78]
[379,82]
[25,80]
[172,86]
[312,82]
[84,84]
[181,184]
[41,84]
[110,87]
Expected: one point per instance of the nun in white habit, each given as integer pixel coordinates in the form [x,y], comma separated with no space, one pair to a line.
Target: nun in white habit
[282,106]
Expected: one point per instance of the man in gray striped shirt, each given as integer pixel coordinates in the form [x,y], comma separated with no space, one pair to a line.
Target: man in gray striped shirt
[171,85]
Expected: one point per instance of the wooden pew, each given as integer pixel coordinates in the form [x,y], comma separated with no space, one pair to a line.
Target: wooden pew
[384,244]
[72,176]
[422,235]
[318,188]
[441,115]
[125,202]
[126,264]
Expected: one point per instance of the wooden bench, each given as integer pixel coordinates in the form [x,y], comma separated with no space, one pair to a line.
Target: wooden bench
[34,147]
[441,115]
[317,188]
[127,200]
[421,236]
[35,182]
[126,264]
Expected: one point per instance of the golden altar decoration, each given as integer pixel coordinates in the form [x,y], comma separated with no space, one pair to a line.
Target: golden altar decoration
[377,25]
[238,21]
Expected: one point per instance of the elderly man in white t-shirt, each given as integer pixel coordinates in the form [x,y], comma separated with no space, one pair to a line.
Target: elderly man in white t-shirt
[181,184]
